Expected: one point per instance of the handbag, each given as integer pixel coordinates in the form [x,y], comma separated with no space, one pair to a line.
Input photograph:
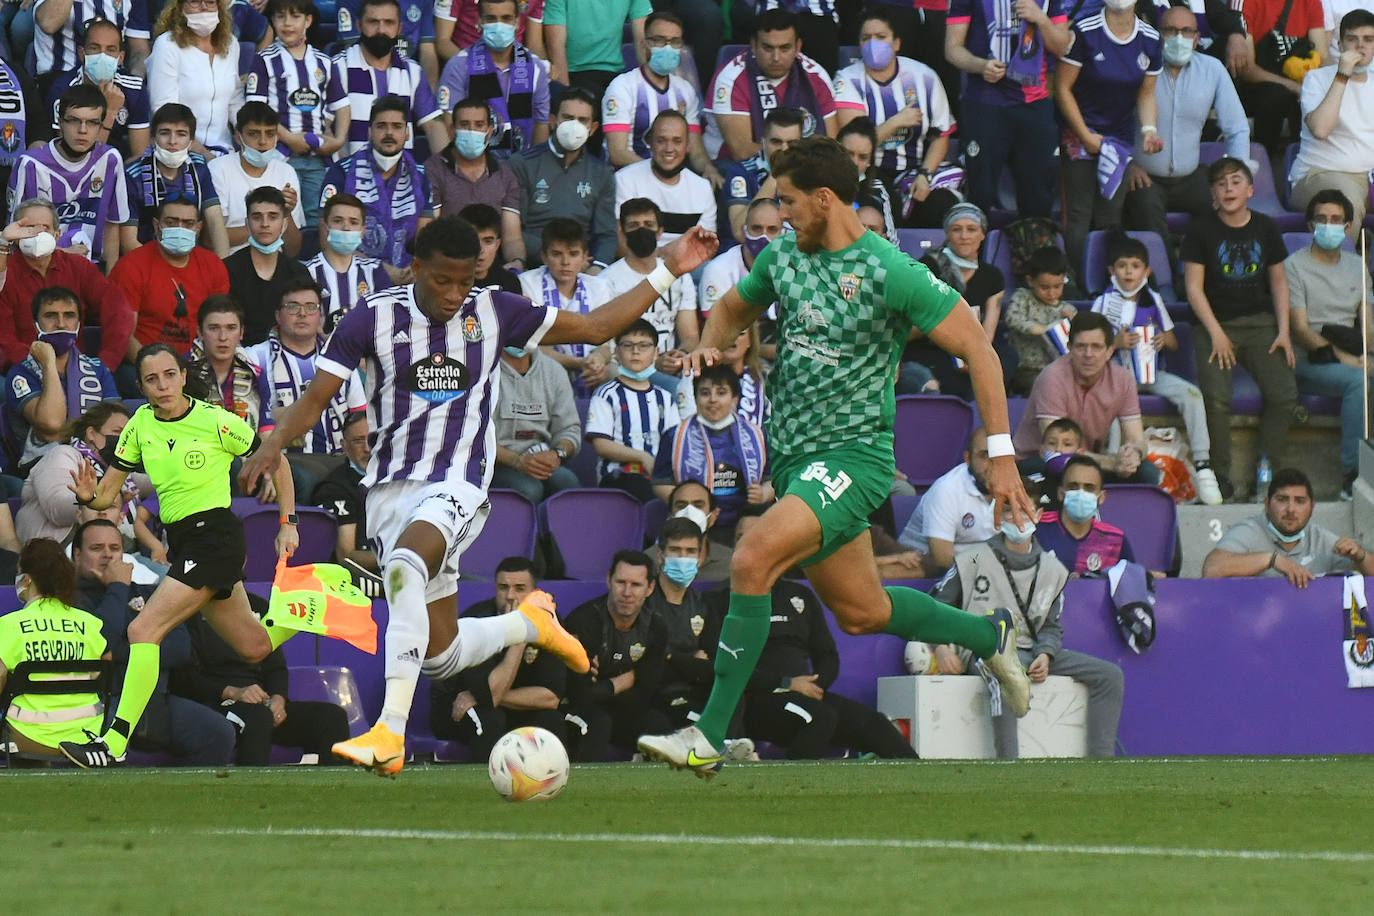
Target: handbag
[1275,47]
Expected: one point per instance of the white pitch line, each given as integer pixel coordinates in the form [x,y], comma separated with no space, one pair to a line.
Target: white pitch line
[668,839]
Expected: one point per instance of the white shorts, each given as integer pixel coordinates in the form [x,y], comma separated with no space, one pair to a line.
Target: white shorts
[457,508]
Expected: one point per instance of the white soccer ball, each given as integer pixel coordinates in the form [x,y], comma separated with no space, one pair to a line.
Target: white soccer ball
[919,659]
[528,764]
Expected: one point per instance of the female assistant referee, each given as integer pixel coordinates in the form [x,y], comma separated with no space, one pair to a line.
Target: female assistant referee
[186,447]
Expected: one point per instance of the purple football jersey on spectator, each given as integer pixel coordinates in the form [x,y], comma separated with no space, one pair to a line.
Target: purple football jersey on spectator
[361,85]
[88,194]
[1110,73]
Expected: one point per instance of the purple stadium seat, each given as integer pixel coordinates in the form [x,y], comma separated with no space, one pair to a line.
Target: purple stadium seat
[1148,516]
[331,685]
[997,252]
[1294,241]
[903,506]
[848,54]
[510,531]
[1016,409]
[929,434]
[318,534]
[916,242]
[655,514]
[1095,262]
[589,525]
[725,53]
[9,601]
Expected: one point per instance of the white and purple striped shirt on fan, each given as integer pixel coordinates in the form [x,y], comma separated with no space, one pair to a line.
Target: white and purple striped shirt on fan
[360,85]
[58,51]
[88,195]
[914,85]
[637,419]
[303,92]
[431,387]
[632,102]
[343,290]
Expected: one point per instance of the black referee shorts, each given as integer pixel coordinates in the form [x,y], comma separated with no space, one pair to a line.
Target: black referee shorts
[207,550]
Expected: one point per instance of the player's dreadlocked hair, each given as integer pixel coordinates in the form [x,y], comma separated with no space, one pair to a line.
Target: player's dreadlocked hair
[818,162]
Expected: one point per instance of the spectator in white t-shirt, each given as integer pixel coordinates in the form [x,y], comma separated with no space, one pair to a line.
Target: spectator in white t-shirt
[673,314]
[762,224]
[561,283]
[257,164]
[955,514]
[684,197]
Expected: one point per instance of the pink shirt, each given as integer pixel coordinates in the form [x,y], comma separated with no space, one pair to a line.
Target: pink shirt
[1057,393]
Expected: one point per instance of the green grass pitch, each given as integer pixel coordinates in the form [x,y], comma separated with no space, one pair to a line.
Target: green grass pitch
[1125,836]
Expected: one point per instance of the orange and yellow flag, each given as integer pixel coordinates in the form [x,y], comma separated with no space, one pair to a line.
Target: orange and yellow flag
[321,598]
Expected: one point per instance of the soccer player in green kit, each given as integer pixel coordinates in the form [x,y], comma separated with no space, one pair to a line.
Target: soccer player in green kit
[847,301]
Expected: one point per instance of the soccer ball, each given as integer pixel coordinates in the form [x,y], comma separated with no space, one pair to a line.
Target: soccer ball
[919,659]
[528,764]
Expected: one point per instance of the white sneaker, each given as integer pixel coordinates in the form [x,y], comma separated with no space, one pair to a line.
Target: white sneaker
[686,748]
[1205,480]
[739,750]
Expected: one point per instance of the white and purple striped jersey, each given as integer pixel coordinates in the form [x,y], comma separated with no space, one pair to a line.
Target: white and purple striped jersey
[632,102]
[303,92]
[343,290]
[360,85]
[913,85]
[824,8]
[637,419]
[431,387]
[89,195]
[288,373]
[58,51]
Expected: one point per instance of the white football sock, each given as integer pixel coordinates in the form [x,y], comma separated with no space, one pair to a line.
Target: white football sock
[478,639]
[407,634]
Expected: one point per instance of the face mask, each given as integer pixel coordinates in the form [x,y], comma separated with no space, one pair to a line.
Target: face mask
[269,248]
[39,246]
[516,352]
[344,241]
[386,163]
[173,160]
[1178,50]
[1358,70]
[664,60]
[1017,535]
[255,158]
[378,45]
[669,173]
[470,144]
[1328,235]
[877,54]
[100,68]
[498,35]
[107,451]
[724,422]
[754,244]
[1129,293]
[641,375]
[642,242]
[681,570]
[21,583]
[961,263]
[60,341]
[1080,505]
[571,135]
[178,240]
[1280,536]
[202,23]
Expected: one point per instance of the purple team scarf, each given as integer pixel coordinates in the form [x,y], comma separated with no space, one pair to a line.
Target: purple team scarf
[515,106]
[799,94]
[1027,64]
[1112,160]
[390,224]
[692,457]
[13,124]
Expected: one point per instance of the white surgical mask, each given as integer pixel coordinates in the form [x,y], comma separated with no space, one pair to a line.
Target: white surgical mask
[39,246]
[202,23]
[724,422]
[173,160]
[1017,535]
[571,135]
[385,163]
[1119,5]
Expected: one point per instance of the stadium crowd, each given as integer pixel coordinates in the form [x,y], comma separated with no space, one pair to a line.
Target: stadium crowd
[231,178]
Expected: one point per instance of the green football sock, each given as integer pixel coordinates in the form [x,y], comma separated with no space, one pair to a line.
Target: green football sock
[917,616]
[140,677]
[742,635]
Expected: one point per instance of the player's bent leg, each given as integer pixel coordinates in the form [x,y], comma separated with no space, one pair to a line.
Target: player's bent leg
[171,603]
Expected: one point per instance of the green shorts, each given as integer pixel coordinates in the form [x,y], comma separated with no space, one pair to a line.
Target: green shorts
[843,486]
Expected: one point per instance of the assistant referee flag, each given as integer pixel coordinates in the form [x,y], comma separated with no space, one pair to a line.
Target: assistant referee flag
[321,598]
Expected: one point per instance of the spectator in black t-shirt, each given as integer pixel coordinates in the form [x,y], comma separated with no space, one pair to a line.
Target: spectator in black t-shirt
[1233,272]
[521,686]
[487,222]
[340,494]
[259,272]
[628,647]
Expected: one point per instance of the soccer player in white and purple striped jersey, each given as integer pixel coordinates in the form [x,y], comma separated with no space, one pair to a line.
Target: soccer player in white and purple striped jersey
[431,358]
[57,36]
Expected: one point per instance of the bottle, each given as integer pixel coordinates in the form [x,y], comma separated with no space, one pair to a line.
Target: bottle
[1263,474]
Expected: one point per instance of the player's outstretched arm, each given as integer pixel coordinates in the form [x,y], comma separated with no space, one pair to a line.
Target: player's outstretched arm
[960,334]
[684,255]
[292,423]
[727,318]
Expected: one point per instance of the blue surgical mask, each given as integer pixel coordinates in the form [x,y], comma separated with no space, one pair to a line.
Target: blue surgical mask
[269,248]
[178,240]
[498,35]
[1178,50]
[664,60]
[256,158]
[641,375]
[344,241]
[1080,505]
[1280,536]
[516,352]
[1329,236]
[1017,535]
[681,570]
[470,144]
[100,68]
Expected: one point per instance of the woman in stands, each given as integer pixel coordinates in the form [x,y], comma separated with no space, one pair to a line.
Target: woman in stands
[48,628]
[186,447]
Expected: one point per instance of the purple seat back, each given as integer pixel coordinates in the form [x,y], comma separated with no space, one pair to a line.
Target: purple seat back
[1095,262]
[916,242]
[583,462]
[997,252]
[509,532]
[590,525]
[929,434]
[1295,241]
[318,534]
[655,514]
[903,506]
[1150,519]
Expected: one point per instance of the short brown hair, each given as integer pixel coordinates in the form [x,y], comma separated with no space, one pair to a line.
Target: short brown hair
[818,162]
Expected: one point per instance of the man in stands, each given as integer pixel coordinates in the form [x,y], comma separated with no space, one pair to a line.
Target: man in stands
[257,164]
[761,223]
[684,198]
[956,512]
[521,686]
[259,272]
[1284,541]
[1085,544]
[693,630]
[466,173]
[583,40]
[231,377]
[537,426]
[345,275]
[750,181]
[101,63]
[171,169]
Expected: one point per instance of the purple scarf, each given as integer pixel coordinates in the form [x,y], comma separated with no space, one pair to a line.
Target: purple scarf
[799,94]
[692,458]
[514,108]
[1028,63]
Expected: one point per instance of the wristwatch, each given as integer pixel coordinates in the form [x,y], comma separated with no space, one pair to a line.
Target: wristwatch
[291,518]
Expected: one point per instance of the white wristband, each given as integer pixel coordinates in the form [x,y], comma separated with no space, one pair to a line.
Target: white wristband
[661,279]
[999,445]
[1148,129]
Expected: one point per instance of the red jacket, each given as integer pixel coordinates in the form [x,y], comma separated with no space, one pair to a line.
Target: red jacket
[101,303]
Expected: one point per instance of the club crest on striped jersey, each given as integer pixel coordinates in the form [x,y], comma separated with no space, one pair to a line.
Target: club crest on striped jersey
[438,378]
[472,329]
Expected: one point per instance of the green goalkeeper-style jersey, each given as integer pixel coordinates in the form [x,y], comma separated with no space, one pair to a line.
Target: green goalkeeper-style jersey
[187,458]
[46,630]
[843,321]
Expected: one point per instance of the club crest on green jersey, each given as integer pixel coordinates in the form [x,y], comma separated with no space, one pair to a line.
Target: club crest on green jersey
[849,285]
